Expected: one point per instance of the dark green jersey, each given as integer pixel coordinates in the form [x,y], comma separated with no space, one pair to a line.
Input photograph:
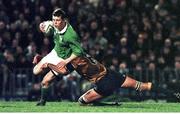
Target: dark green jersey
[67,42]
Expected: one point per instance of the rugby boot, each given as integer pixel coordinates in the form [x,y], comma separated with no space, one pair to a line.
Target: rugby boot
[177,96]
[41,103]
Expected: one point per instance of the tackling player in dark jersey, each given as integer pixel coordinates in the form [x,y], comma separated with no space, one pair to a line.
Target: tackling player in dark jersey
[106,81]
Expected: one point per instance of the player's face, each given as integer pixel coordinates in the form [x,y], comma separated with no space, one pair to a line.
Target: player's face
[57,21]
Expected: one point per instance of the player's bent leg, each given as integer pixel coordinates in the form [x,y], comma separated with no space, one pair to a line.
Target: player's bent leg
[139,86]
[48,78]
[45,88]
[89,97]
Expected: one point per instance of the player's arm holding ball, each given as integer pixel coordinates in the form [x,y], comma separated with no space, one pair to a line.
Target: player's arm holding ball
[46,27]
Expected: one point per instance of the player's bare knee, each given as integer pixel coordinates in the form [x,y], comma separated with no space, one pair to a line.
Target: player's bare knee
[36,70]
[45,84]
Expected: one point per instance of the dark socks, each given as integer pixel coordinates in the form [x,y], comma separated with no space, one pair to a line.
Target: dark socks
[44,93]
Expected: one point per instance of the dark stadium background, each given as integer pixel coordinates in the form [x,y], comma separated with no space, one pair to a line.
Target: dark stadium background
[138,37]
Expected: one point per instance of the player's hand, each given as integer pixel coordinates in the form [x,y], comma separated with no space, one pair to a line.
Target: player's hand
[36,59]
[61,64]
[42,27]
[45,65]
[55,68]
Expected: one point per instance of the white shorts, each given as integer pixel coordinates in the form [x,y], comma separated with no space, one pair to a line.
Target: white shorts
[52,58]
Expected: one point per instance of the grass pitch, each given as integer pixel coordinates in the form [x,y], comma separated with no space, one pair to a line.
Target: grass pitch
[75,107]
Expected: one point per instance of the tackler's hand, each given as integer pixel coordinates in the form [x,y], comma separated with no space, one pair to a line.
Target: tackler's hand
[61,64]
[62,70]
[45,65]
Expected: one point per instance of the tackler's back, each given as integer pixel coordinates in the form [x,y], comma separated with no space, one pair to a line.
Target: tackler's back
[89,68]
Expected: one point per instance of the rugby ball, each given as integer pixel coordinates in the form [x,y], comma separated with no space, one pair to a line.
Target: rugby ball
[48,26]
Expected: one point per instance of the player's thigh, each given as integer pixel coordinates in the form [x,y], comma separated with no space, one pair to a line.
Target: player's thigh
[52,58]
[90,96]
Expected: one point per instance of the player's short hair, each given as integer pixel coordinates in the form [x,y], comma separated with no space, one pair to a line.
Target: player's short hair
[59,12]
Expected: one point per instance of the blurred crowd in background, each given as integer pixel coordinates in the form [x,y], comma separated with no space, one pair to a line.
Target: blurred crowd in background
[122,34]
